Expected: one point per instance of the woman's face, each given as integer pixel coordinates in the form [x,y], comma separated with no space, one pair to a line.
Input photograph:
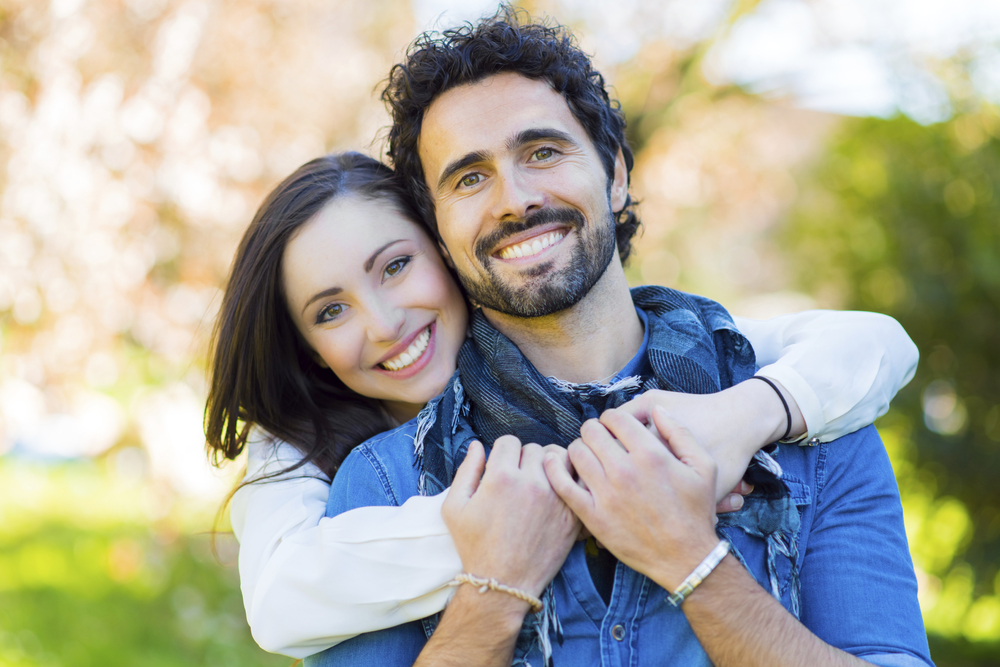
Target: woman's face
[370,294]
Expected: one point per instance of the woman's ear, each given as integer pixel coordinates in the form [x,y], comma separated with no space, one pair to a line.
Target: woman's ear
[319,360]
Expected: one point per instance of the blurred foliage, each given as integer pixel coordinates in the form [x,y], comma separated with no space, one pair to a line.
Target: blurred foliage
[97,568]
[137,136]
[904,219]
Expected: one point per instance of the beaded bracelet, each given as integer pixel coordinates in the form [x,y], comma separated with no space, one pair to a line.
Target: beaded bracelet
[788,412]
[493,585]
[704,568]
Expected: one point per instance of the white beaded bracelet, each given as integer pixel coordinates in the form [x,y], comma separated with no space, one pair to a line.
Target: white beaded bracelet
[703,570]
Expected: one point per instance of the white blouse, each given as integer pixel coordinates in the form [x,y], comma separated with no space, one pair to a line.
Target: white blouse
[310,581]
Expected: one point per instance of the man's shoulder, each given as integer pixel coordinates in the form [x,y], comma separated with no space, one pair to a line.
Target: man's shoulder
[859,456]
[379,471]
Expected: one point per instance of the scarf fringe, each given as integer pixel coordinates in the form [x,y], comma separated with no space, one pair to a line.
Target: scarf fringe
[768,462]
[591,389]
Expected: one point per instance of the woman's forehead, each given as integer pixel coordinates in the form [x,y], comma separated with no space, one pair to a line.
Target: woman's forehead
[336,242]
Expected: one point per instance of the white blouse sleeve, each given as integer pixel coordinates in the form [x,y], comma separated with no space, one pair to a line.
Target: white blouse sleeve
[310,581]
[841,367]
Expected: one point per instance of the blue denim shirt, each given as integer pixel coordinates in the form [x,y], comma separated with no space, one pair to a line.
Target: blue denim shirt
[858,590]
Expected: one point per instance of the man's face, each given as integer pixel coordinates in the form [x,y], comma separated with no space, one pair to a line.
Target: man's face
[522,201]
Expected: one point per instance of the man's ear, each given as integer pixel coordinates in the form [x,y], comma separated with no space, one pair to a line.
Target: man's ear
[618,192]
[445,255]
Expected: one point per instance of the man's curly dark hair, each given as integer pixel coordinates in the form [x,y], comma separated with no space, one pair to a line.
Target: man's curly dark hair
[508,41]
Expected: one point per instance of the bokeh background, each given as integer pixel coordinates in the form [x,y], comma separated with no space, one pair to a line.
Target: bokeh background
[790,154]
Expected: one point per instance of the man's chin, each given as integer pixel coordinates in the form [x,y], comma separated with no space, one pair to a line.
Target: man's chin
[529,301]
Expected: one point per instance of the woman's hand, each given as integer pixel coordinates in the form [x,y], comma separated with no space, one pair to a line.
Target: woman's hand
[730,425]
[507,522]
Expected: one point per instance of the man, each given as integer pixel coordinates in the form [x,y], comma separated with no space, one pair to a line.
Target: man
[511,145]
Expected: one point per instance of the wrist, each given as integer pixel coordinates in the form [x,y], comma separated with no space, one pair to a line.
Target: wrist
[499,613]
[675,570]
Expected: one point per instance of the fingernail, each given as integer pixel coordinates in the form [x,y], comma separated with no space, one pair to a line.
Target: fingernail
[736,500]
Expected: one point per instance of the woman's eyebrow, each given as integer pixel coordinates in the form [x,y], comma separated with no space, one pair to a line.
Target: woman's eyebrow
[370,262]
[321,295]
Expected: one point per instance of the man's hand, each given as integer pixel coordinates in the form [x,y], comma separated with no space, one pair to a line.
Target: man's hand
[731,425]
[651,505]
[510,525]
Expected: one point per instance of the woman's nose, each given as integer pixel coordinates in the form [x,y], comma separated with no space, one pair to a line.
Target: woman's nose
[385,322]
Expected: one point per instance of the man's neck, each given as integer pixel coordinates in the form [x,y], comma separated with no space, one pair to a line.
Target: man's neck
[589,342]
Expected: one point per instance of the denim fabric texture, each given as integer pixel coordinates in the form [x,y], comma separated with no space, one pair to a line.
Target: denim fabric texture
[824,537]
[858,590]
[690,344]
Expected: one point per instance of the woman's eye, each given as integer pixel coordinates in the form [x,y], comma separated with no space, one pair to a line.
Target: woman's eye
[469,180]
[330,312]
[396,265]
[543,153]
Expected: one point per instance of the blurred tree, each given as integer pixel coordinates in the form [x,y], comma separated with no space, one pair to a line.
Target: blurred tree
[904,219]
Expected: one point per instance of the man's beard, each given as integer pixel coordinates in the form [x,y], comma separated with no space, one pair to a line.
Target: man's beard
[544,293]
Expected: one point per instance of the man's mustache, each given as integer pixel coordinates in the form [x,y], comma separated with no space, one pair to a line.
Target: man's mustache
[509,228]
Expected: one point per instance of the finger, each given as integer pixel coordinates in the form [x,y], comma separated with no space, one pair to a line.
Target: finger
[731,503]
[579,501]
[468,474]
[531,462]
[680,442]
[627,430]
[745,488]
[589,471]
[531,456]
[506,453]
[561,454]
[641,407]
[602,443]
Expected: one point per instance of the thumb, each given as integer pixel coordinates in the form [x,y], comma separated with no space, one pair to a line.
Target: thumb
[468,474]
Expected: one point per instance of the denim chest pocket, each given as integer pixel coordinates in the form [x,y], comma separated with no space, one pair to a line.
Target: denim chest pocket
[766,534]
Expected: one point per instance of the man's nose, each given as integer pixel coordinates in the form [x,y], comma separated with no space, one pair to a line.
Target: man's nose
[385,322]
[515,194]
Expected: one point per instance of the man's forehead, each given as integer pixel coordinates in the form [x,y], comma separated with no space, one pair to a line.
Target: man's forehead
[482,116]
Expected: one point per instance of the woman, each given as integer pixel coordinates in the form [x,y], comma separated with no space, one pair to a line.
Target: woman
[340,320]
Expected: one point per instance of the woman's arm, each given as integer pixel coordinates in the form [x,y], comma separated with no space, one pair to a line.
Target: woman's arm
[837,372]
[309,583]
[841,368]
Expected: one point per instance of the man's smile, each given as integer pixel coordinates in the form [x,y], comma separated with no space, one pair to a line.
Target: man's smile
[532,246]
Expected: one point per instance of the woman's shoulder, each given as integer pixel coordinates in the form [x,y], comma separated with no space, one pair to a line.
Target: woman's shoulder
[267,455]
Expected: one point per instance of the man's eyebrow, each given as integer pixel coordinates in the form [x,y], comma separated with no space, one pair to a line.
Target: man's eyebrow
[539,134]
[460,164]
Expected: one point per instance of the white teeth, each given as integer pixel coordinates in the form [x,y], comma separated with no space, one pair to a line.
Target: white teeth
[410,354]
[532,247]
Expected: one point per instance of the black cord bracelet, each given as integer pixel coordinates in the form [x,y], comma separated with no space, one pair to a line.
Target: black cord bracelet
[788,411]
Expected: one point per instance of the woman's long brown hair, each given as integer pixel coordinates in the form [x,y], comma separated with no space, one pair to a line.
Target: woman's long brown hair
[263,374]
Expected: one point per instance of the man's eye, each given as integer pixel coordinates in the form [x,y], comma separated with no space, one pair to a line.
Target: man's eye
[330,312]
[469,180]
[396,265]
[543,153]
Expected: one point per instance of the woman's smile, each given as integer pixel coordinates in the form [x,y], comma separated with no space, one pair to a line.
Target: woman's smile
[418,350]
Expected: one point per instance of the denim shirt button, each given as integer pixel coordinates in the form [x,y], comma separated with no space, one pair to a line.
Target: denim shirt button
[618,632]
